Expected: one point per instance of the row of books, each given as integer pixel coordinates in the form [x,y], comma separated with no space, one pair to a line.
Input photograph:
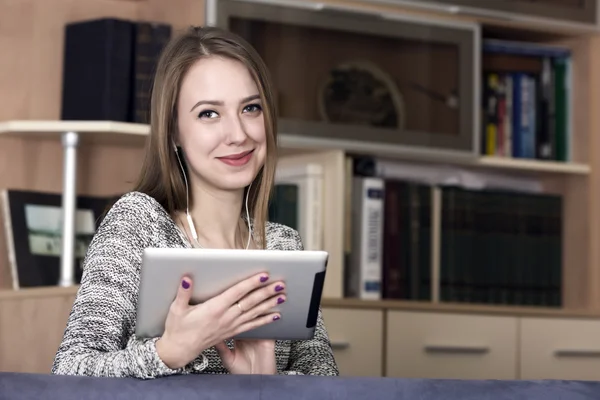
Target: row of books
[526,93]
[496,245]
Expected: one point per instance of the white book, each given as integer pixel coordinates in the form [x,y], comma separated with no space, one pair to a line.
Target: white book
[366,260]
[309,179]
[10,240]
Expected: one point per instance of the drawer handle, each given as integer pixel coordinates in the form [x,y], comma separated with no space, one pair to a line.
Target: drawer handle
[298,4]
[339,345]
[577,353]
[436,348]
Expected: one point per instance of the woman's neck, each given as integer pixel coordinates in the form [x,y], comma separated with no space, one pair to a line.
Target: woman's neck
[217,220]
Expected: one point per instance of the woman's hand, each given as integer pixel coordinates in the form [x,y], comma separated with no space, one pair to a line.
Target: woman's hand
[189,330]
[249,356]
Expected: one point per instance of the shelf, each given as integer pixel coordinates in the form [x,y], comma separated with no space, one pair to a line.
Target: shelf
[534,165]
[93,132]
[123,133]
[290,141]
[461,308]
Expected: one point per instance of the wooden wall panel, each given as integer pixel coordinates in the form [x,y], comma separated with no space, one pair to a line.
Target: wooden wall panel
[179,13]
[593,212]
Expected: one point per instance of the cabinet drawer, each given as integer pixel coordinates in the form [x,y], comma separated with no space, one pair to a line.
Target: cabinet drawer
[357,340]
[442,345]
[560,349]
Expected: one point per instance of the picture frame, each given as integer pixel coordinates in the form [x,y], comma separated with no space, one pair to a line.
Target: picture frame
[33,230]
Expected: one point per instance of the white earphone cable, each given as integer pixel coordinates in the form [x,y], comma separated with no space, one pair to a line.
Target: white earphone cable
[187,207]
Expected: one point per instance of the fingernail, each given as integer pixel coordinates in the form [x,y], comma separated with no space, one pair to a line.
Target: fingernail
[275,318]
[278,288]
[185,284]
[264,278]
[280,300]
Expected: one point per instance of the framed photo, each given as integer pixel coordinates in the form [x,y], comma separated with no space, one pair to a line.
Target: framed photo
[33,226]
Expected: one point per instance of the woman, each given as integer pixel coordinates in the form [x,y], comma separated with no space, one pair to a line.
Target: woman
[209,167]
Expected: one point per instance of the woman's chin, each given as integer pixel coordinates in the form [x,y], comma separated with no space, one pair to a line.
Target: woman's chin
[234,182]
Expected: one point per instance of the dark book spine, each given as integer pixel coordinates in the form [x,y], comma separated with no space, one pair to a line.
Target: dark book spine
[96,70]
[393,235]
[148,43]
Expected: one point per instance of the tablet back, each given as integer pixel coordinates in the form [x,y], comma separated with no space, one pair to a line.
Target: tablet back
[214,271]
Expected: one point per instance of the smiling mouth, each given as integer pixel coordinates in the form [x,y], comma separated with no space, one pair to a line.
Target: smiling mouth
[236,156]
[237,160]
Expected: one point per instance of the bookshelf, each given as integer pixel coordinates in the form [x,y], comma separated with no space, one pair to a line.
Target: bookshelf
[575,178]
[367,22]
[109,155]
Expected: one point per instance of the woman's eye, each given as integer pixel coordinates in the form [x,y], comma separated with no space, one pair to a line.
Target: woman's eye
[207,114]
[252,108]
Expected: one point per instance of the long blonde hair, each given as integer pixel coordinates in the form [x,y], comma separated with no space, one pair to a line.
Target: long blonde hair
[161,176]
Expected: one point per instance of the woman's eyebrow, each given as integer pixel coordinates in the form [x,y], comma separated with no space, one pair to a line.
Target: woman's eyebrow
[220,103]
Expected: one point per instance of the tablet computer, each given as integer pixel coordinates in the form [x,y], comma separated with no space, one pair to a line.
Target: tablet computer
[213,271]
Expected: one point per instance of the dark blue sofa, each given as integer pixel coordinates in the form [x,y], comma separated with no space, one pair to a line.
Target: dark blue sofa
[256,387]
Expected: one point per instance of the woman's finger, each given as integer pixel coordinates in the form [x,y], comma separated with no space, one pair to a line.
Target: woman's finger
[256,303]
[241,289]
[257,322]
[184,293]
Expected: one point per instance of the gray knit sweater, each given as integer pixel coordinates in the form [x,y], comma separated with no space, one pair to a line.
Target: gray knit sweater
[99,339]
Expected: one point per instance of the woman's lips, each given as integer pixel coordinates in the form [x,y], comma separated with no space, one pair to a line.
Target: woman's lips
[237,160]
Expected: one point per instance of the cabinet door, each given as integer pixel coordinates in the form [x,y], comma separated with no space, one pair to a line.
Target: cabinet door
[357,340]
[574,11]
[31,329]
[553,348]
[450,346]
[371,82]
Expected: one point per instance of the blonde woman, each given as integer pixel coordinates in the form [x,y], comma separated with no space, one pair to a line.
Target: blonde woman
[205,182]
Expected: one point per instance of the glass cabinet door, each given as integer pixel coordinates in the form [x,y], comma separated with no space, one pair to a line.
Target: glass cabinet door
[366,78]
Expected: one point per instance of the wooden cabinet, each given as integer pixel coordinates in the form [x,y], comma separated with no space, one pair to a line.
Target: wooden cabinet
[357,340]
[32,324]
[401,340]
[440,345]
[454,342]
[569,11]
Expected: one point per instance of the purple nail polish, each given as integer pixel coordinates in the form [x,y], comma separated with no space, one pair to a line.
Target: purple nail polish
[185,284]
[280,300]
[275,318]
[264,278]
[278,288]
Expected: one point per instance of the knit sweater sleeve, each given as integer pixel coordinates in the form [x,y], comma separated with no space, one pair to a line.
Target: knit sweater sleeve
[99,338]
[314,356]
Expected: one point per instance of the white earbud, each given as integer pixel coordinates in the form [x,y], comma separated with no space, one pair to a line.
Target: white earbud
[187,210]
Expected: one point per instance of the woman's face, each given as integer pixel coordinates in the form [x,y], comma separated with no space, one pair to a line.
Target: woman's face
[221,124]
